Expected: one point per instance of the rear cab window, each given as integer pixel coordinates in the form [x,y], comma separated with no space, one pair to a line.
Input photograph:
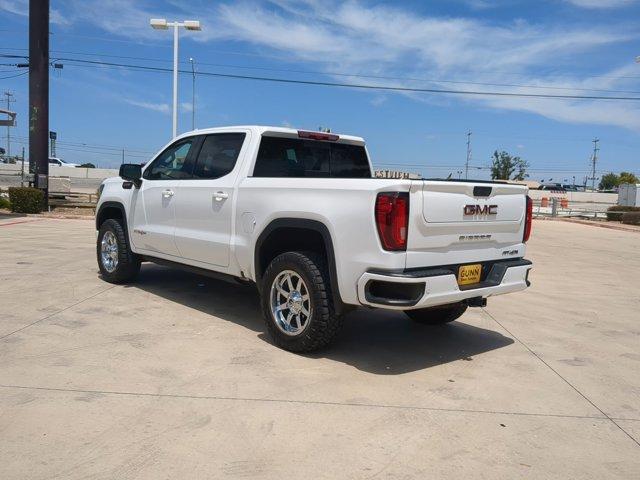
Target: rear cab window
[295,157]
[218,155]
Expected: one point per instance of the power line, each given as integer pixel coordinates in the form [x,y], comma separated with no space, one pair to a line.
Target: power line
[358,75]
[94,145]
[483,167]
[82,147]
[118,153]
[278,57]
[354,75]
[354,85]
[84,150]
[14,76]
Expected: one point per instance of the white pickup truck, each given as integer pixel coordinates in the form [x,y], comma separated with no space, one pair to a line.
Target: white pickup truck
[299,214]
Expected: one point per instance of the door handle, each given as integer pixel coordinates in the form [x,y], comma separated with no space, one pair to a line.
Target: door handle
[219,196]
[167,193]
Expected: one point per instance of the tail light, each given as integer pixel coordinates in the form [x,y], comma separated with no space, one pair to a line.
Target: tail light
[528,219]
[392,219]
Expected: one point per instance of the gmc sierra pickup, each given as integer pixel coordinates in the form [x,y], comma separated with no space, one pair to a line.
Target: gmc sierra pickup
[299,214]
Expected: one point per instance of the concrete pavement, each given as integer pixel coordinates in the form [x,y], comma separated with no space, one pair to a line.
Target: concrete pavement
[174,376]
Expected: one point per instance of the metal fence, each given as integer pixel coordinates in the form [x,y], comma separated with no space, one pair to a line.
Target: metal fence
[562,207]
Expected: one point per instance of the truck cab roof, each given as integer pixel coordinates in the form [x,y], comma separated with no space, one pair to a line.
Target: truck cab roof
[272,130]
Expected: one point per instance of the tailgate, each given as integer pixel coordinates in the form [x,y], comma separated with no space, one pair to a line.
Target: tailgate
[461,222]
[451,202]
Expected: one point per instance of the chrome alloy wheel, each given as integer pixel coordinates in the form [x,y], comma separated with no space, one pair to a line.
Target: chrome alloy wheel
[290,303]
[109,251]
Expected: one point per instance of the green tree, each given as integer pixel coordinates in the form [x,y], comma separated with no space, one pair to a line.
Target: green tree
[609,181]
[627,177]
[87,165]
[506,167]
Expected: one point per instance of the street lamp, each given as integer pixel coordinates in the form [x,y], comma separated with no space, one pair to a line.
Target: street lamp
[162,24]
[193,93]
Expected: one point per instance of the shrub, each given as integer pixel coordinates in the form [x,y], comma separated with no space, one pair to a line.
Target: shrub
[5,203]
[631,218]
[87,165]
[615,212]
[26,199]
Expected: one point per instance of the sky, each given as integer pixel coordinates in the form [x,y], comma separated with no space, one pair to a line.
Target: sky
[556,47]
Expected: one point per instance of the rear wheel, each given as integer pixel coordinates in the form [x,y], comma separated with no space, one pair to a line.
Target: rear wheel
[118,264]
[297,304]
[437,315]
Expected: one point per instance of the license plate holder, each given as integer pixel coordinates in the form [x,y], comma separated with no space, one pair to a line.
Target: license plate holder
[469,274]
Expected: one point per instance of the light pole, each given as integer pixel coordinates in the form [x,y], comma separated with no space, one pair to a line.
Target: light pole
[193,93]
[162,24]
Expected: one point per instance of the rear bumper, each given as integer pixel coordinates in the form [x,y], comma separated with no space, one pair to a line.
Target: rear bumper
[428,287]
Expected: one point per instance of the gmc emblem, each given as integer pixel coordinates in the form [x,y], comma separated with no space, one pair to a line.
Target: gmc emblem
[481,209]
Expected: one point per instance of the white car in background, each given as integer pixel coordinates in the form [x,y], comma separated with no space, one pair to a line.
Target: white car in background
[58,162]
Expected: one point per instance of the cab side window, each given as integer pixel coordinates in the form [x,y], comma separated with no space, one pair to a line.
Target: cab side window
[172,164]
[218,155]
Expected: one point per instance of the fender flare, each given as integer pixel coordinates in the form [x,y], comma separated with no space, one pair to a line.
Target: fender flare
[123,211]
[305,224]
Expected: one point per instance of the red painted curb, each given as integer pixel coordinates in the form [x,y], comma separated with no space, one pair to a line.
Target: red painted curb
[20,221]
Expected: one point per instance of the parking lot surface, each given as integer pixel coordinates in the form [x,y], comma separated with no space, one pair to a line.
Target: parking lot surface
[175,377]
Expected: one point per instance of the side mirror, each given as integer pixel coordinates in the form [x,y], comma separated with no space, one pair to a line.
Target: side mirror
[131,172]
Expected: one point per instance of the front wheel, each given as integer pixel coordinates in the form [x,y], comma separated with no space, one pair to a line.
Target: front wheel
[297,304]
[118,264]
[437,315]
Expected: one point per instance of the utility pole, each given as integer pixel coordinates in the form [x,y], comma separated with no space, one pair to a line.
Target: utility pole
[193,93]
[39,93]
[466,167]
[123,155]
[8,94]
[594,159]
[22,170]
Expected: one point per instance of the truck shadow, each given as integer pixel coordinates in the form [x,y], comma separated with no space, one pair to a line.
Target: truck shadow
[388,343]
[375,341]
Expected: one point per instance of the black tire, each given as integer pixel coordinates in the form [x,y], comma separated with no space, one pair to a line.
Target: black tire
[437,315]
[323,324]
[128,264]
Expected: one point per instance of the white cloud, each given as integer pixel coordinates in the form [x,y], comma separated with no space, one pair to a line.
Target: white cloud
[481,4]
[57,18]
[156,107]
[621,114]
[21,8]
[391,41]
[186,107]
[124,18]
[17,7]
[601,4]
[378,100]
